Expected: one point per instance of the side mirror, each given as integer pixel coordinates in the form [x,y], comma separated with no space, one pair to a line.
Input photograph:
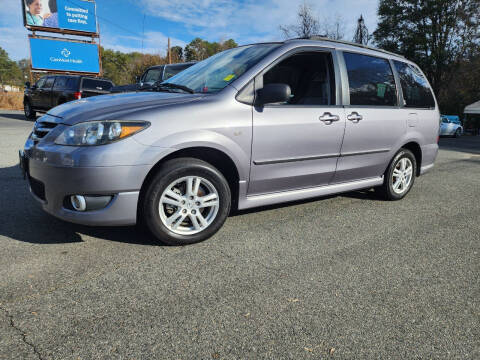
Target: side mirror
[27,84]
[137,79]
[273,93]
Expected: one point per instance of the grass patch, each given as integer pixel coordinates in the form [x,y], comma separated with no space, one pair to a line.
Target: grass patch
[11,101]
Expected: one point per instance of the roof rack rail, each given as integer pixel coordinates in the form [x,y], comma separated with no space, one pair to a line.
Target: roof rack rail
[323,38]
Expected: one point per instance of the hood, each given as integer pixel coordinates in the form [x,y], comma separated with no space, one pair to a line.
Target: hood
[110,107]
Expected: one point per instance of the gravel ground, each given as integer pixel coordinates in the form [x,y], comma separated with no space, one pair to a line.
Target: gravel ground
[344,277]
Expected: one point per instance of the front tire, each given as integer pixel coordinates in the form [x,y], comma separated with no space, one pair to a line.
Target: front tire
[399,176]
[28,110]
[458,133]
[186,202]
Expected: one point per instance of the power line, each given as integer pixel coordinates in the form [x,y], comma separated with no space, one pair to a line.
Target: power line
[106,20]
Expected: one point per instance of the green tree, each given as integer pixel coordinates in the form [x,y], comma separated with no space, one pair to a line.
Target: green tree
[196,50]
[10,73]
[229,44]
[177,54]
[199,49]
[436,34]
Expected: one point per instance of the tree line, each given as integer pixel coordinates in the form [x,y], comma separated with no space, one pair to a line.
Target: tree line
[124,68]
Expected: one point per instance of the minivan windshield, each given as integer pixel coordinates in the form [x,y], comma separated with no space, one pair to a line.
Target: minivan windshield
[216,72]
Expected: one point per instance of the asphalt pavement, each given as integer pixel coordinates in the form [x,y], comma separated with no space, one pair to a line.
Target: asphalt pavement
[343,277]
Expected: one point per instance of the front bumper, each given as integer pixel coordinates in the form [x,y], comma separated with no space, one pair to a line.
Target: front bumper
[57,183]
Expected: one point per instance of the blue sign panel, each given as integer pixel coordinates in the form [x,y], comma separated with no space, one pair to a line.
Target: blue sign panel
[76,15]
[48,54]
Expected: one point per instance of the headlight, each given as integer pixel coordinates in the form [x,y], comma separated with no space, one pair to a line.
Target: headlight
[99,132]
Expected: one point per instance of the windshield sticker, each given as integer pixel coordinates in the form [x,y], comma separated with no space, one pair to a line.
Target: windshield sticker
[229,77]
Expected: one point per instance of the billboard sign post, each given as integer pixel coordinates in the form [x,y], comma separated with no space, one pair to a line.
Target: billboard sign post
[76,17]
[50,54]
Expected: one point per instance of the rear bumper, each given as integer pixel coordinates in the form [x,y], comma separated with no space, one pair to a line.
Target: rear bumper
[57,183]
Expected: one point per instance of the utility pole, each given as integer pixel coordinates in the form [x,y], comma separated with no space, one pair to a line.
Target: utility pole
[169,52]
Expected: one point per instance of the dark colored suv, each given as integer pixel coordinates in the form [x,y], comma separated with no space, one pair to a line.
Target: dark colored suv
[54,90]
[153,75]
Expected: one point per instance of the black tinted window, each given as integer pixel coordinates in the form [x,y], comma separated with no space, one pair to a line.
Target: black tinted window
[72,84]
[153,75]
[309,75]
[40,82]
[371,80]
[174,70]
[94,84]
[415,88]
[49,83]
[60,82]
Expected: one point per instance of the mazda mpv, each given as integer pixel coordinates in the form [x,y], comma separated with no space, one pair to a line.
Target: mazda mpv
[251,126]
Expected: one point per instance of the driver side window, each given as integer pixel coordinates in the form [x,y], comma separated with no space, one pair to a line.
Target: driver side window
[310,76]
[40,82]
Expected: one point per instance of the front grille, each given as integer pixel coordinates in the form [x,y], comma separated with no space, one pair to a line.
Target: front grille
[42,128]
[38,188]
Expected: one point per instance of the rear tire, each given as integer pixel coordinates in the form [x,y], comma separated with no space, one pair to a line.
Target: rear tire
[28,110]
[186,202]
[458,133]
[399,176]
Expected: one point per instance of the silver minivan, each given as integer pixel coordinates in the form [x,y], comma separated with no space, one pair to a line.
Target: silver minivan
[251,126]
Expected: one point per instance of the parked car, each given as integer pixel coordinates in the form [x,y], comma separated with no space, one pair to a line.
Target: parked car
[152,76]
[451,126]
[54,90]
[251,126]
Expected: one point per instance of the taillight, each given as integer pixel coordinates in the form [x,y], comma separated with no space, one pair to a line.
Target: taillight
[78,95]
[438,139]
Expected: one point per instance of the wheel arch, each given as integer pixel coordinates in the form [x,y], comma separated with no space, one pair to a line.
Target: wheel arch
[415,148]
[215,157]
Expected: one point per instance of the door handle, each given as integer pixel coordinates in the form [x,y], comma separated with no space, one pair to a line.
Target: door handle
[328,118]
[355,117]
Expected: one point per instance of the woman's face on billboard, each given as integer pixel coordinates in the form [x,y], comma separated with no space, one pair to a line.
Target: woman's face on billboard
[35,7]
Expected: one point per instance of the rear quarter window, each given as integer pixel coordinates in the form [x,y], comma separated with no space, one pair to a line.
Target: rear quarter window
[371,80]
[94,84]
[415,88]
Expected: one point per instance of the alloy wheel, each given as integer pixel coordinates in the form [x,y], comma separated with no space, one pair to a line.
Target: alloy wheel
[189,205]
[402,175]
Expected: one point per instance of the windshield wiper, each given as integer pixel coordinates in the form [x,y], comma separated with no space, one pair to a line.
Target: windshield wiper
[175,86]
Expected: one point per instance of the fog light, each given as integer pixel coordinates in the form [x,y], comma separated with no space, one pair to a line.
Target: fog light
[78,202]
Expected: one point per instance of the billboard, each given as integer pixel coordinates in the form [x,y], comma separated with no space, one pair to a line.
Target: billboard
[60,55]
[60,15]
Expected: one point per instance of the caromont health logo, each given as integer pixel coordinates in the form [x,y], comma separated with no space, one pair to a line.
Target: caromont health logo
[65,58]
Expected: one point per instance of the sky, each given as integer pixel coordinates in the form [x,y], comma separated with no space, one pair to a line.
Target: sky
[124,23]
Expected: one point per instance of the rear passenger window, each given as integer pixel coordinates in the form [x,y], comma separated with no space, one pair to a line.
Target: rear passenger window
[60,82]
[371,80]
[93,84]
[310,76]
[415,88]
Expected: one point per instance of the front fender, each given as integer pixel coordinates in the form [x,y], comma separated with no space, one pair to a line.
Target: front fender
[235,150]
